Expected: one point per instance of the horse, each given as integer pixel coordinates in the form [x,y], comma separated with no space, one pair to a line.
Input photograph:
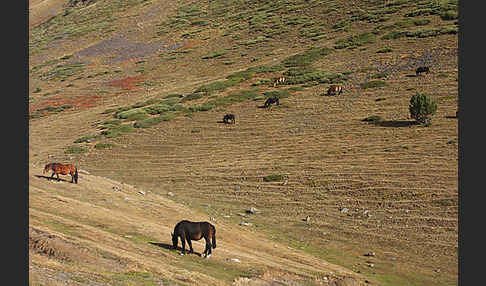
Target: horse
[63,169]
[271,100]
[279,80]
[229,117]
[333,89]
[420,70]
[188,230]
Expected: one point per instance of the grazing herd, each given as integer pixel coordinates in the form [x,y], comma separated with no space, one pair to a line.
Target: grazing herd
[187,230]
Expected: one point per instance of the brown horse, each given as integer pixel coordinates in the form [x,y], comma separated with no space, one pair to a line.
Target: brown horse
[333,89]
[279,80]
[188,230]
[63,169]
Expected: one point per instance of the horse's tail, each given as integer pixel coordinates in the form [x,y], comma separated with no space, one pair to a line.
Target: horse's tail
[213,239]
[75,175]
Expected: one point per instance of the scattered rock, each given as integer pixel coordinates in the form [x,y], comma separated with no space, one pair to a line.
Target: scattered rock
[142,192]
[371,253]
[244,223]
[252,210]
[116,188]
[235,260]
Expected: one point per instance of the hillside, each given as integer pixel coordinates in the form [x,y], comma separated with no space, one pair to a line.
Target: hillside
[134,93]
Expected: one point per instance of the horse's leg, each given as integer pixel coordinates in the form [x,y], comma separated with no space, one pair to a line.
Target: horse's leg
[183,239]
[208,247]
[188,238]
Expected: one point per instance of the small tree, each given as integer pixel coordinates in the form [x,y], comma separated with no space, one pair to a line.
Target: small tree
[421,107]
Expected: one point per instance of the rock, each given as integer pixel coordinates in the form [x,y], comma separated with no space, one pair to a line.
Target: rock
[235,260]
[307,219]
[226,216]
[244,223]
[170,194]
[142,192]
[212,219]
[343,210]
[116,188]
[237,188]
[371,265]
[371,253]
[252,210]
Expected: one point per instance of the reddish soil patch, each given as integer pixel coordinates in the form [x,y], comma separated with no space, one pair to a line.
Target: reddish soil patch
[83,101]
[127,83]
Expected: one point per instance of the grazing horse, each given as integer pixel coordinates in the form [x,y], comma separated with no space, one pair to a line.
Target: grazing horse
[420,70]
[278,81]
[333,89]
[271,100]
[188,230]
[63,169]
[229,117]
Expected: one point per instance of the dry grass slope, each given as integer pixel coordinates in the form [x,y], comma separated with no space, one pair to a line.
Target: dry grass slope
[152,80]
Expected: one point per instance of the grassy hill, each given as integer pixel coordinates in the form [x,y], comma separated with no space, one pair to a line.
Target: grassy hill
[134,93]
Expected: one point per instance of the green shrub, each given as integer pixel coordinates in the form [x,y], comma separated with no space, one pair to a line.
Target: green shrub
[273,177]
[213,55]
[422,107]
[157,109]
[372,118]
[384,50]
[132,114]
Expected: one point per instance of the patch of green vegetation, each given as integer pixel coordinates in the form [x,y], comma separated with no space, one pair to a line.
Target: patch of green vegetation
[117,130]
[154,120]
[273,178]
[306,58]
[49,109]
[75,150]
[104,145]
[86,139]
[421,33]
[372,118]
[354,41]
[373,84]
[217,54]
[384,50]
[132,114]
[63,71]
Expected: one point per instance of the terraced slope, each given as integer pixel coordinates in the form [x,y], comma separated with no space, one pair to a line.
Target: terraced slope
[136,93]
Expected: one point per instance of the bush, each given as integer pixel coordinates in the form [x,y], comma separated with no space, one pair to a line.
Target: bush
[75,150]
[421,107]
[273,177]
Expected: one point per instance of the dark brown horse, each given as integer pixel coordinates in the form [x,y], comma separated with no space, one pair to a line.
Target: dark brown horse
[229,117]
[188,230]
[63,169]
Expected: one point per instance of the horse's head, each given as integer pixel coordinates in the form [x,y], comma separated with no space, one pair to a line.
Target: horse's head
[174,240]
[46,168]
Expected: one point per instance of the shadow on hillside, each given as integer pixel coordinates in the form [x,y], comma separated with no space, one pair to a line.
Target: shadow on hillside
[49,178]
[395,123]
[169,247]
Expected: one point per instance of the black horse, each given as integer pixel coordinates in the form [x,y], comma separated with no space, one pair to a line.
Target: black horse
[188,230]
[229,117]
[271,100]
[420,70]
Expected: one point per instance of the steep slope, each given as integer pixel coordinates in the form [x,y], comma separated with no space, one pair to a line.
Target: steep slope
[135,91]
